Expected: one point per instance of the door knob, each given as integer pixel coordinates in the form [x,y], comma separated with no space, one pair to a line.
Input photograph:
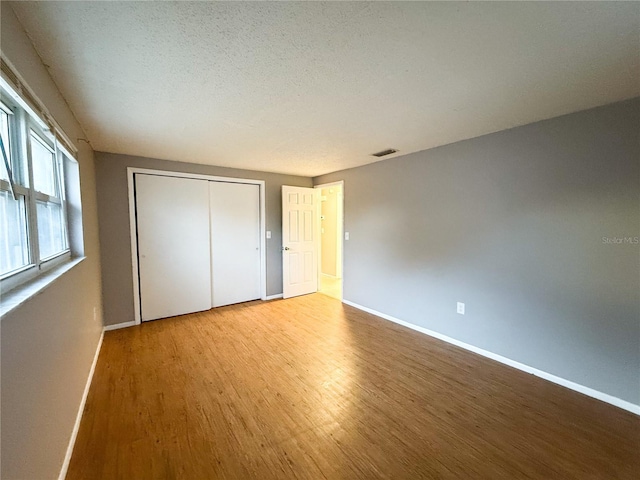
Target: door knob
[286,248]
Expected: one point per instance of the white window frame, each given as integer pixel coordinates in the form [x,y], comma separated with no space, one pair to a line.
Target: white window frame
[21,125]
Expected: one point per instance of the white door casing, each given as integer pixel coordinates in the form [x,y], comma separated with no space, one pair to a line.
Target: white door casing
[235,242]
[173,245]
[300,240]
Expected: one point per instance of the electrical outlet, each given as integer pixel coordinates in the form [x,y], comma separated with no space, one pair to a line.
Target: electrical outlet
[460,308]
[268,233]
[346,235]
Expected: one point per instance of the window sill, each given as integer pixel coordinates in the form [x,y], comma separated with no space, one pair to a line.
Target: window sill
[17,296]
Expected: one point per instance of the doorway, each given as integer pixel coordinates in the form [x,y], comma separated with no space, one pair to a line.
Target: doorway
[330,271]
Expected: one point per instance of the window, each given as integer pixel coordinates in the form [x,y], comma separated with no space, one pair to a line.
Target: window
[4,134]
[33,223]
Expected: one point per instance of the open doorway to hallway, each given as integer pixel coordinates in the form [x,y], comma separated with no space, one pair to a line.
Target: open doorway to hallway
[331,235]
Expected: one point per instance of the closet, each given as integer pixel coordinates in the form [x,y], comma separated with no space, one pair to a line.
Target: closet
[198,244]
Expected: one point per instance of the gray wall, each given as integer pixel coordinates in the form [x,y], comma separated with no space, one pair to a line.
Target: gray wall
[48,344]
[512,224]
[113,210]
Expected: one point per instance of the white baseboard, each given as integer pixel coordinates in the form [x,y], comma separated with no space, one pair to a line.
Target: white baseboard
[273,297]
[120,325]
[631,407]
[83,401]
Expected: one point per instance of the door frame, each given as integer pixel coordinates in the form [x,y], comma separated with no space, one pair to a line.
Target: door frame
[321,186]
[131,171]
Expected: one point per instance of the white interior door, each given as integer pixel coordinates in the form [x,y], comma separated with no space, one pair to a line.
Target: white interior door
[300,241]
[235,242]
[173,245]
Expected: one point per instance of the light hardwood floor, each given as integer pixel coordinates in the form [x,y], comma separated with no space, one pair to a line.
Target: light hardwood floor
[308,388]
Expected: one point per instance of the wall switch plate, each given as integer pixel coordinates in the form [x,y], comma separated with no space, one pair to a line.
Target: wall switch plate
[460,308]
[95,314]
[346,235]
[268,233]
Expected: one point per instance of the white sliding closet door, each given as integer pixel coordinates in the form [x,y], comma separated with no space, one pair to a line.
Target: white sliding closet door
[235,242]
[173,245]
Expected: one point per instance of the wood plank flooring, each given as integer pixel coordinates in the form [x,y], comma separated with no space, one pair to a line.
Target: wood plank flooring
[309,388]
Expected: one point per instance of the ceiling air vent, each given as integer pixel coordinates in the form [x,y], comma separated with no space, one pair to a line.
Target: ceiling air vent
[384,153]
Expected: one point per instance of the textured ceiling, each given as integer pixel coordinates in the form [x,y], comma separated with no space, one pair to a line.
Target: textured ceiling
[310,88]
